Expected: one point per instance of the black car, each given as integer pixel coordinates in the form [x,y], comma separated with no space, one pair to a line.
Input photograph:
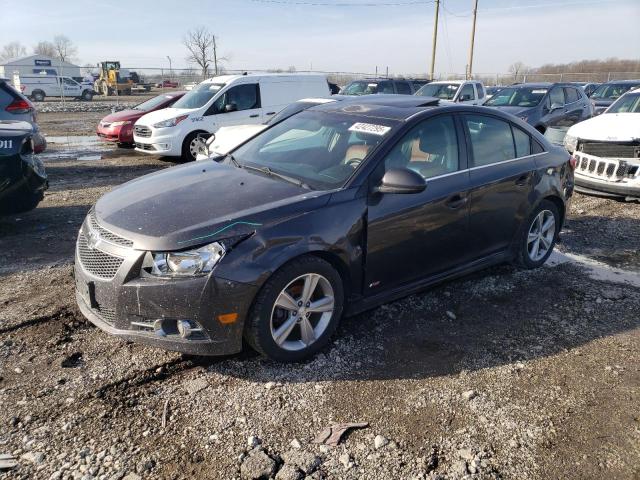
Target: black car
[22,176]
[544,105]
[401,86]
[330,212]
[609,92]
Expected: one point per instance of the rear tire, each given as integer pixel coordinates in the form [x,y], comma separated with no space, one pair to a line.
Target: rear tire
[538,236]
[297,311]
[38,96]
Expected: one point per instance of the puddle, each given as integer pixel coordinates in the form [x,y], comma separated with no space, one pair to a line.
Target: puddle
[595,269]
[75,147]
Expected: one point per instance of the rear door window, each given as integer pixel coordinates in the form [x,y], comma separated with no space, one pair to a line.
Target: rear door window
[571,95]
[385,87]
[403,88]
[491,139]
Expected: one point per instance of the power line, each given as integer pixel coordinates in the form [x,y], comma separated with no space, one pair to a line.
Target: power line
[345,4]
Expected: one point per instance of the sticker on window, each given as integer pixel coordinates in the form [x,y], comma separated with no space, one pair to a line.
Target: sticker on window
[369,128]
[539,91]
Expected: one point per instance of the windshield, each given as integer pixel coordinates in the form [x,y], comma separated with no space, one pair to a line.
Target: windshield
[153,103]
[320,149]
[445,91]
[199,96]
[611,91]
[629,103]
[517,97]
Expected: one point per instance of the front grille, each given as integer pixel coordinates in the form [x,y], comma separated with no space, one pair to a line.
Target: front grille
[145,146]
[106,314]
[97,262]
[609,169]
[610,149]
[142,131]
[105,234]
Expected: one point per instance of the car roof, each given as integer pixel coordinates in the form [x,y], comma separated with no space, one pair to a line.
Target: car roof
[391,107]
[633,82]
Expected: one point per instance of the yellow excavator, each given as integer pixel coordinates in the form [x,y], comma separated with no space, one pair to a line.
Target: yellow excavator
[109,82]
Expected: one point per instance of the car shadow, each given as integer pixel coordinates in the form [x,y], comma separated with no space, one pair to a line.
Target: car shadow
[501,316]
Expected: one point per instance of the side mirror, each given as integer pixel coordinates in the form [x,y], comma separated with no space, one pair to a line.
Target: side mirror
[401,180]
[556,106]
[230,107]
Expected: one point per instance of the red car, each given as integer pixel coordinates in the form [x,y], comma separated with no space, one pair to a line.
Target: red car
[167,84]
[118,127]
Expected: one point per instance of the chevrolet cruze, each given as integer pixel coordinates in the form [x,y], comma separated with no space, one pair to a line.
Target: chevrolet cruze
[328,213]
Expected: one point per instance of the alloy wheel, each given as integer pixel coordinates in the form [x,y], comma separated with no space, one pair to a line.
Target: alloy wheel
[302,312]
[541,235]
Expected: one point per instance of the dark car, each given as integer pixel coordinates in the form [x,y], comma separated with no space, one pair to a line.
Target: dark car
[544,105]
[401,86]
[587,87]
[22,176]
[14,105]
[609,92]
[333,211]
[118,127]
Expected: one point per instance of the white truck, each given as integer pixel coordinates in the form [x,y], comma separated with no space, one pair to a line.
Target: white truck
[220,102]
[470,92]
[38,87]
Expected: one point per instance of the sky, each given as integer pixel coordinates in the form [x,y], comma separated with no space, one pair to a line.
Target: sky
[337,35]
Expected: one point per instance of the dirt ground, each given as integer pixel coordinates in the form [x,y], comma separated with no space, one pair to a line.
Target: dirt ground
[503,374]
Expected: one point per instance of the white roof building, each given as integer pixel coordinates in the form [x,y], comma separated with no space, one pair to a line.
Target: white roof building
[39,64]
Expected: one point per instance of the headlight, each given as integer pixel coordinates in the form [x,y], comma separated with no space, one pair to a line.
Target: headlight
[172,122]
[188,263]
[120,124]
[570,143]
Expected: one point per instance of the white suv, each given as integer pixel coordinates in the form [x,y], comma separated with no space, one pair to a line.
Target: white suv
[220,102]
[471,92]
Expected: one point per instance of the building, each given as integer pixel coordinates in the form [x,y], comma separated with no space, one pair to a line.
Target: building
[39,64]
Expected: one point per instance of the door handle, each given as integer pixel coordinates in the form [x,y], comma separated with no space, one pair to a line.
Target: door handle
[270,113]
[456,201]
[522,180]
[255,115]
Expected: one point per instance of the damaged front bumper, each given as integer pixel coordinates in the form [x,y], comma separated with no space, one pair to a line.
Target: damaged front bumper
[181,314]
[613,177]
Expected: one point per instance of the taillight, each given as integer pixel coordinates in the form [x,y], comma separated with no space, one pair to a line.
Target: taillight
[18,106]
[573,162]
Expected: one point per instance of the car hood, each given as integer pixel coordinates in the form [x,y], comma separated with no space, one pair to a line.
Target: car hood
[198,203]
[123,115]
[227,138]
[164,114]
[608,127]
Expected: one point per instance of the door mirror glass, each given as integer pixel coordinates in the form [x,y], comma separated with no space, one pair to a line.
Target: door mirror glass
[401,180]
[230,107]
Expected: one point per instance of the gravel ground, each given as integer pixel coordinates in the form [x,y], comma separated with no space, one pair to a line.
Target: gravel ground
[504,374]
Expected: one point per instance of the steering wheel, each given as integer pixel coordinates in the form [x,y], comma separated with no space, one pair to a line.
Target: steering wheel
[353,162]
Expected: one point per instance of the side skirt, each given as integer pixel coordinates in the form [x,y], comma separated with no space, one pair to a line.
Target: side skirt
[360,305]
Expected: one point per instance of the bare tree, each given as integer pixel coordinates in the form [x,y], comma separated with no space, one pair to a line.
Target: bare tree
[12,50]
[203,50]
[65,49]
[45,48]
[517,68]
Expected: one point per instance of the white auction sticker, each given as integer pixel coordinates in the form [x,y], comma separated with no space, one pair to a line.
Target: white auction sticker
[369,128]
[541,90]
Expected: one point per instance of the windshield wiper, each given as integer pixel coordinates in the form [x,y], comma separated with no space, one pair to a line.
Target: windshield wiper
[233,160]
[272,173]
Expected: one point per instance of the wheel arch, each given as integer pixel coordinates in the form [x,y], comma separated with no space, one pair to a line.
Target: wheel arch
[560,205]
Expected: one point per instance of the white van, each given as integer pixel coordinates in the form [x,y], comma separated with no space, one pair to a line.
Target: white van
[471,92]
[220,102]
[37,87]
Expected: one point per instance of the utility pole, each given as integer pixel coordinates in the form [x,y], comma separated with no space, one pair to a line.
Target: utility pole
[473,37]
[435,37]
[169,58]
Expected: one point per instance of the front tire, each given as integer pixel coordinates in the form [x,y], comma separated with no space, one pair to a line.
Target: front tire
[190,147]
[538,236]
[297,311]
[87,96]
